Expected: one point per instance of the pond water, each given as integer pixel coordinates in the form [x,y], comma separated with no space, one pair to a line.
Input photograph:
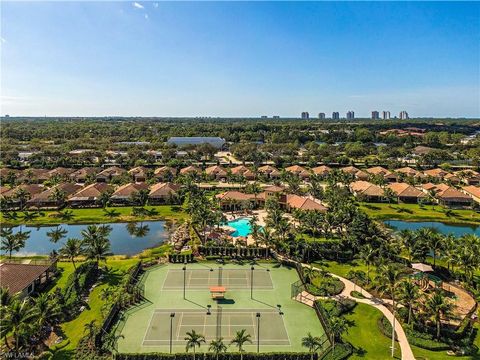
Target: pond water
[125,238]
[457,230]
[241,225]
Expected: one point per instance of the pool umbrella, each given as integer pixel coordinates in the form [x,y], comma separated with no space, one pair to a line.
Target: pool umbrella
[422,267]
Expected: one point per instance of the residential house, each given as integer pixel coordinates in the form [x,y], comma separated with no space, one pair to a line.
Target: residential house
[380,171]
[448,196]
[408,172]
[407,193]
[164,193]
[269,172]
[47,199]
[138,174]
[216,172]
[452,179]
[356,173]
[110,173]
[191,170]
[236,200]
[367,191]
[35,176]
[25,279]
[473,191]
[125,193]
[469,177]
[422,150]
[296,202]
[14,201]
[90,195]
[298,170]
[82,175]
[242,170]
[322,170]
[60,172]
[165,173]
[436,174]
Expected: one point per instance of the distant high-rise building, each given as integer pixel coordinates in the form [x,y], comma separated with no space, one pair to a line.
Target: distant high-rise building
[264,117]
[386,115]
[403,115]
[276,116]
[335,115]
[375,115]
[321,116]
[305,115]
[350,115]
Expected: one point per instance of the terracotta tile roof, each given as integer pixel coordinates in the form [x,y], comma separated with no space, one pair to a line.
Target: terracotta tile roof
[128,190]
[39,174]
[32,189]
[378,170]
[5,171]
[60,171]
[410,172]
[239,170]
[472,190]
[453,194]
[296,169]
[304,203]
[268,169]
[190,169]
[163,189]
[422,150]
[17,277]
[216,170]
[321,170]
[350,170]
[4,189]
[274,188]
[439,173]
[165,169]
[84,172]
[90,192]
[235,195]
[139,170]
[366,188]
[112,171]
[451,177]
[67,188]
[406,190]
[435,187]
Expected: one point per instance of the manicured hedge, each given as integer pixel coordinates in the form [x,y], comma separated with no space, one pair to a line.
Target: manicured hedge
[326,286]
[425,341]
[238,252]
[211,356]
[180,258]
[342,351]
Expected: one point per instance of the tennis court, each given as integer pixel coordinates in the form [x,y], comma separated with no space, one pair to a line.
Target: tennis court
[201,279]
[220,323]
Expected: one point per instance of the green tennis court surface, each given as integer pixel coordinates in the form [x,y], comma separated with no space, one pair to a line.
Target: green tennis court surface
[202,279]
[220,323]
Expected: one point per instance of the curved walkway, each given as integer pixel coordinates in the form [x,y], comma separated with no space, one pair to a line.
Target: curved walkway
[407,353]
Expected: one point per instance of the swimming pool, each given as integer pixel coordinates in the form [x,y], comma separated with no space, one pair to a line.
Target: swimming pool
[241,225]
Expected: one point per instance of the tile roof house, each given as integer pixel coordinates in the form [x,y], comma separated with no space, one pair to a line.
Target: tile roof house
[235,200]
[322,170]
[410,172]
[11,195]
[448,195]
[89,195]
[452,179]
[367,190]
[109,173]
[469,177]
[163,193]
[473,191]
[299,171]
[32,175]
[437,173]
[380,171]
[406,193]
[83,174]
[46,199]
[242,170]
[138,174]
[304,203]
[190,170]
[165,173]
[357,173]
[422,150]
[60,172]
[269,171]
[24,279]
[216,172]
[124,194]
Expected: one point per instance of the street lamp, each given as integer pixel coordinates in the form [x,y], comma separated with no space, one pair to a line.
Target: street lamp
[184,277]
[251,282]
[258,332]
[172,315]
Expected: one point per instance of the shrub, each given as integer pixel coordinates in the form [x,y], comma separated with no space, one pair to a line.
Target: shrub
[325,286]
[222,356]
[342,351]
[425,341]
[336,308]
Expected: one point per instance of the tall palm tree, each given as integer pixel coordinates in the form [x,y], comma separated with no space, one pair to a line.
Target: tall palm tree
[11,242]
[241,337]
[408,294]
[57,234]
[193,340]
[338,326]
[18,321]
[71,250]
[408,239]
[312,343]
[91,329]
[388,279]
[58,196]
[438,305]
[217,346]
[47,311]
[368,254]
[22,196]
[96,242]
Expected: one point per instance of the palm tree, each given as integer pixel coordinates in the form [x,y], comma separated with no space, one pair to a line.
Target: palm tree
[91,329]
[309,273]
[47,311]
[241,337]
[57,234]
[193,340]
[437,306]
[408,240]
[217,346]
[338,326]
[388,280]
[312,343]
[58,196]
[11,242]
[368,254]
[97,244]
[71,250]
[408,294]
[18,321]
[22,196]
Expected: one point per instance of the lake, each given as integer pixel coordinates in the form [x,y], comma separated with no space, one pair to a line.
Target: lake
[457,230]
[124,238]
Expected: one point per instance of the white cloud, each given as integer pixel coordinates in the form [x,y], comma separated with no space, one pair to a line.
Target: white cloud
[3,40]
[155,5]
[137,5]
[146,16]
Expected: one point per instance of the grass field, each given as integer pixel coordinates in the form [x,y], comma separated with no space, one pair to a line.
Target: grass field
[97,215]
[298,319]
[415,212]
[365,336]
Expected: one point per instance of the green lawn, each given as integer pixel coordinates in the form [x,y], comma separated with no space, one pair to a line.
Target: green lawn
[83,216]
[65,270]
[73,330]
[415,212]
[342,269]
[365,336]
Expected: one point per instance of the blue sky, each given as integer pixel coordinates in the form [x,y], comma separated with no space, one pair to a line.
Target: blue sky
[239,58]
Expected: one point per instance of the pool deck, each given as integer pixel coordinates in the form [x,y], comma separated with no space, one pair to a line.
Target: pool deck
[261,214]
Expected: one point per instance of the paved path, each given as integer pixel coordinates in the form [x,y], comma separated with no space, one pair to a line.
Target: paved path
[407,353]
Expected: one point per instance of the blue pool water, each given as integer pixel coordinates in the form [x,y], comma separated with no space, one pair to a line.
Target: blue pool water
[457,230]
[241,225]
